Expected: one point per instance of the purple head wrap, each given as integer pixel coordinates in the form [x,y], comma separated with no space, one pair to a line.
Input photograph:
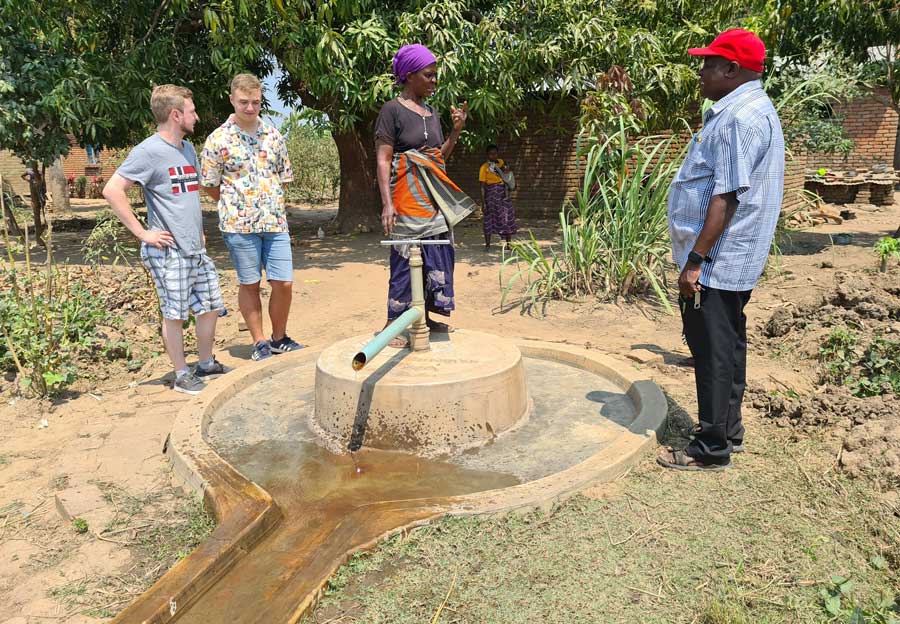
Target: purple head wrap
[411,58]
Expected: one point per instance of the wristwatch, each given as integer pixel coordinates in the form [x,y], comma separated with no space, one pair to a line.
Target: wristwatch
[695,258]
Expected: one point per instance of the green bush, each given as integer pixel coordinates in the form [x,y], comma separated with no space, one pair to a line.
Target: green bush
[880,364]
[47,320]
[868,368]
[614,232]
[838,356]
[108,241]
[887,248]
[314,157]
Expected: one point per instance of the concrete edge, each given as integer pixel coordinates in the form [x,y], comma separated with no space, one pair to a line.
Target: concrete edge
[543,494]
[608,464]
[245,512]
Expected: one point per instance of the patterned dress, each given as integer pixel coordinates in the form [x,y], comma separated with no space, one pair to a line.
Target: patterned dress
[499,214]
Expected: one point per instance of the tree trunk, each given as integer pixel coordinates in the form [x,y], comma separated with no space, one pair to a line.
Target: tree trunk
[58,187]
[897,160]
[37,189]
[360,203]
[6,201]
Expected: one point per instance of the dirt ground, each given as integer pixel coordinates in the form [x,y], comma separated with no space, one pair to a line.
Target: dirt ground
[106,435]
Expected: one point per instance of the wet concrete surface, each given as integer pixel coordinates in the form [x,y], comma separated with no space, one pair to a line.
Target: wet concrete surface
[336,503]
[575,413]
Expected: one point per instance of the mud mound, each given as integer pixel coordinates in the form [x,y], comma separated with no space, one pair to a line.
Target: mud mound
[865,308]
[870,426]
[873,449]
[870,301]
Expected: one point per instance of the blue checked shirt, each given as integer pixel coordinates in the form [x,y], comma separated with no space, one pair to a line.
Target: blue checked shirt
[740,148]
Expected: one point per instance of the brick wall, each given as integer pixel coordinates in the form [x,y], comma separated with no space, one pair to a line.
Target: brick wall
[11,168]
[544,161]
[794,181]
[75,163]
[547,170]
[873,127]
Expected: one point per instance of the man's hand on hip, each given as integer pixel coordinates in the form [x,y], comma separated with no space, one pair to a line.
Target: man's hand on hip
[158,239]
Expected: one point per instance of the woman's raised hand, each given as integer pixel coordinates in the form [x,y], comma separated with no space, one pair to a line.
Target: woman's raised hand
[459,116]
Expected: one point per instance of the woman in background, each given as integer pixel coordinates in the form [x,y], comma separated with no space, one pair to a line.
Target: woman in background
[499,214]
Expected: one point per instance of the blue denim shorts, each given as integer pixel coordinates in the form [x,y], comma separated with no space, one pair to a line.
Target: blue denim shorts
[251,253]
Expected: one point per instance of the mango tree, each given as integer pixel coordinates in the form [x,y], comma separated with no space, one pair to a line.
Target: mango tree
[85,70]
[500,56]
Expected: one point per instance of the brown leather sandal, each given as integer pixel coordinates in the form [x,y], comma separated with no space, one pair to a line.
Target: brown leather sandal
[677,459]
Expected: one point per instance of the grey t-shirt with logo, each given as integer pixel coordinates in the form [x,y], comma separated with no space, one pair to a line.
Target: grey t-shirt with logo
[169,177]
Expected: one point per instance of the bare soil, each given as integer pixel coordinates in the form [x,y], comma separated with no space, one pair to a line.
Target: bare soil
[110,428]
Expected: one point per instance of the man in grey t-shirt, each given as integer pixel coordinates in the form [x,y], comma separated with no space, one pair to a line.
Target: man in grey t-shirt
[173,245]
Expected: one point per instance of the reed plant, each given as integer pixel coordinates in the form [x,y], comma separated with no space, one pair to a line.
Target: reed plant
[613,233]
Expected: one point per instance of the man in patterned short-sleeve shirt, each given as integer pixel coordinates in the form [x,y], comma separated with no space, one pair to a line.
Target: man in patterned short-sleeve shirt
[723,207]
[244,166]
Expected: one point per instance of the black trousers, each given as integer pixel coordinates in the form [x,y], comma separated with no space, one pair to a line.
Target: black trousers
[716,334]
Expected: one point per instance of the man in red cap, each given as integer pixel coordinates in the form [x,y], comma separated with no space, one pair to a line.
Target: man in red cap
[723,207]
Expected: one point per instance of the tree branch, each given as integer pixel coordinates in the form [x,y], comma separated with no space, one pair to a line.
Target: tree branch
[159,11]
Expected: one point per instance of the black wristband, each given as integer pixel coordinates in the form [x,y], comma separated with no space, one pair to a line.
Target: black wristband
[695,258]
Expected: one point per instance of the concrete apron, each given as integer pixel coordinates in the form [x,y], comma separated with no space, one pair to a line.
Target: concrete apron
[246,513]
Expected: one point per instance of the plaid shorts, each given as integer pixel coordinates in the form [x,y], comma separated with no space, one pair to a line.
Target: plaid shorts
[183,283]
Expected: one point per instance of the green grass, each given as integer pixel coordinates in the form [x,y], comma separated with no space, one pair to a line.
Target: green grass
[757,544]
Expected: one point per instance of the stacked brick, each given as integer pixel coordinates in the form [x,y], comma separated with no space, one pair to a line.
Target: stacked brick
[794,180]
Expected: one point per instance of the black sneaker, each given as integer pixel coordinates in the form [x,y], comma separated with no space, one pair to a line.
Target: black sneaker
[188,384]
[285,345]
[261,351]
[215,370]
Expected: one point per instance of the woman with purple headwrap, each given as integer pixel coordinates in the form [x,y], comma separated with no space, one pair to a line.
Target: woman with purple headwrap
[419,200]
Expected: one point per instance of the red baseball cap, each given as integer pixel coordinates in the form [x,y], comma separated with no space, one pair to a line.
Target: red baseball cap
[738,45]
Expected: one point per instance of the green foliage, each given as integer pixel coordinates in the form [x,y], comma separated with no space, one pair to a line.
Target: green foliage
[47,320]
[614,239]
[80,525]
[314,157]
[887,248]
[855,27]
[880,369]
[838,355]
[610,104]
[87,68]
[804,91]
[106,242]
[869,368]
[840,605]
[497,55]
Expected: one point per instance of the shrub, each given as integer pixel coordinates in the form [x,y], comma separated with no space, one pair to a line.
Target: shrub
[887,248]
[81,183]
[314,158]
[867,367]
[47,320]
[614,232]
[107,241]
